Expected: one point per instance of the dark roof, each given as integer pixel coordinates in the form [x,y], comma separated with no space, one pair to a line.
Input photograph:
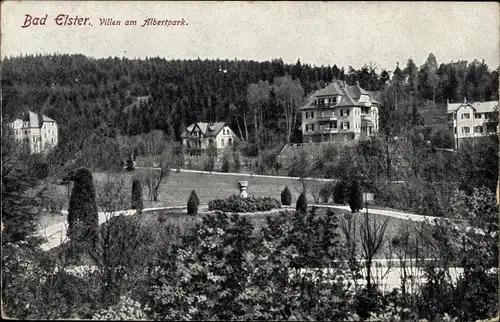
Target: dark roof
[480,107]
[207,129]
[350,95]
[35,119]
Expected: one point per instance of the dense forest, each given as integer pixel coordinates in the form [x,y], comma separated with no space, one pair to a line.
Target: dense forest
[88,97]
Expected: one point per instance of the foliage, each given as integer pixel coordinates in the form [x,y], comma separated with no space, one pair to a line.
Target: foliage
[286,197]
[129,165]
[222,270]
[355,196]
[340,192]
[301,205]
[137,195]
[21,194]
[126,309]
[327,191]
[193,203]
[212,157]
[239,204]
[158,171]
[225,161]
[82,213]
[371,236]
[237,161]
[473,246]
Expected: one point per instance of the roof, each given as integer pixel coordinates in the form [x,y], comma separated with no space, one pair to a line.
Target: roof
[207,129]
[349,95]
[479,107]
[34,119]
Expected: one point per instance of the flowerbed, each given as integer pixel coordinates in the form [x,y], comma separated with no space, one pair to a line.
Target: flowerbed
[238,204]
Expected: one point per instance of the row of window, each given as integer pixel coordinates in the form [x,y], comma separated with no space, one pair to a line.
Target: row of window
[344,125]
[326,101]
[466,129]
[226,132]
[343,112]
[26,132]
[466,116]
[34,139]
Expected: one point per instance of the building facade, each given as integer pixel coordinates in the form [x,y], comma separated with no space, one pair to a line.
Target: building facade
[472,120]
[37,133]
[201,135]
[340,112]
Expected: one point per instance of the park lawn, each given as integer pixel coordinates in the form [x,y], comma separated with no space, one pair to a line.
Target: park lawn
[176,188]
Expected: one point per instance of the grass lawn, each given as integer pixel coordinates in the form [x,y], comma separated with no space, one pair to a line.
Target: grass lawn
[175,190]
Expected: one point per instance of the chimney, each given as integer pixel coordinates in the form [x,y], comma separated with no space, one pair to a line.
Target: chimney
[357,83]
[465,99]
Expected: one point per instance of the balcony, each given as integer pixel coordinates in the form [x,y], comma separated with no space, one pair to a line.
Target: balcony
[327,131]
[366,116]
[327,117]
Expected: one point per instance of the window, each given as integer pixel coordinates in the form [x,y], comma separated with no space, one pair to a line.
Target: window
[465,130]
[465,116]
[25,132]
[333,125]
[344,112]
[312,127]
[455,129]
[478,129]
[222,142]
[477,115]
[229,142]
[344,125]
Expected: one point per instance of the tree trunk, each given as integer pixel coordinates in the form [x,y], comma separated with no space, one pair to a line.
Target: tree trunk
[239,129]
[245,125]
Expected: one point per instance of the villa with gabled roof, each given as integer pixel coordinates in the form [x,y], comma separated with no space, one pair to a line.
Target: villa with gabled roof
[472,119]
[339,112]
[201,135]
[36,132]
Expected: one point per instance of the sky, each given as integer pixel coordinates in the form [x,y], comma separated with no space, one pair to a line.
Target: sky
[317,33]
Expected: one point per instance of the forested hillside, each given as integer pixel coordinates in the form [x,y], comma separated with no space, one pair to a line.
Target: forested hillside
[88,96]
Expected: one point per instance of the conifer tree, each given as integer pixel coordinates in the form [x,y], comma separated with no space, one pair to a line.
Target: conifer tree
[83,218]
[355,196]
[193,203]
[301,205]
[286,197]
[137,196]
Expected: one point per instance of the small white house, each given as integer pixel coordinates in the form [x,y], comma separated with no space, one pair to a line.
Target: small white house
[200,135]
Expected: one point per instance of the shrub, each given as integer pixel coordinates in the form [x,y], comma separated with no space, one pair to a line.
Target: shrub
[237,162]
[301,205]
[340,192]
[286,196]
[83,208]
[193,203]
[355,196]
[137,195]
[250,204]
[225,162]
[130,165]
[326,192]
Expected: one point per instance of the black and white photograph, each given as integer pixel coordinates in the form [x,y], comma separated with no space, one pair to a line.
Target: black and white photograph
[250,160]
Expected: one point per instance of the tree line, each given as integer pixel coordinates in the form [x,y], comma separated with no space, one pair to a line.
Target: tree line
[88,97]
